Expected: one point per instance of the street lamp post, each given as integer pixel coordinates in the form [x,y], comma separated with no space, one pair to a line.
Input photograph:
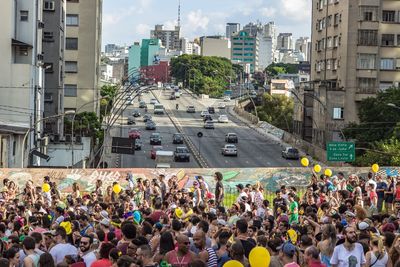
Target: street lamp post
[34,127]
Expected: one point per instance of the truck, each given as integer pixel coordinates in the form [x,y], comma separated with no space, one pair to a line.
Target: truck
[164,159]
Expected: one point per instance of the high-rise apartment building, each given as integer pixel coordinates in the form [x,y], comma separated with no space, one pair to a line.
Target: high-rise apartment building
[149,52]
[245,50]
[170,39]
[82,55]
[302,45]
[356,53]
[232,29]
[53,47]
[217,46]
[109,48]
[284,42]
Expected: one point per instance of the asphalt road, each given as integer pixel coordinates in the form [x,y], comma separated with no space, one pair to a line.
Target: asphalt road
[254,150]
[141,158]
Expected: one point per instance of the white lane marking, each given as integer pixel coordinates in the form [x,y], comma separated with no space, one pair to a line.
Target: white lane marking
[290,164]
[269,163]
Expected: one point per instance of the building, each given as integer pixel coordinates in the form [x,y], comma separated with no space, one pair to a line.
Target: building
[189,47]
[170,39]
[82,55]
[295,78]
[284,42]
[253,29]
[134,60]
[245,49]
[156,73]
[149,52]
[109,48]
[21,80]
[232,28]
[281,87]
[303,45]
[53,47]
[356,51]
[217,46]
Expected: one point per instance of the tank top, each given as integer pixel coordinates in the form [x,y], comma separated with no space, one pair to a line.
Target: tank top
[35,259]
[212,258]
[176,261]
[379,263]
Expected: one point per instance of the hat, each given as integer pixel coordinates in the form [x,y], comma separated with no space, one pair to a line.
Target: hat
[105,222]
[67,226]
[104,214]
[178,212]
[363,226]
[292,235]
[240,186]
[349,214]
[221,222]
[288,249]
[388,227]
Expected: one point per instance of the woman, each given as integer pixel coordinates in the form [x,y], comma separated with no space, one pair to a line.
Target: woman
[219,189]
[12,190]
[107,197]
[46,260]
[12,254]
[166,245]
[99,184]
[328,243]
[75,191]
[114,255]
[197,195]
[377,256]
[394,252]
[389,194]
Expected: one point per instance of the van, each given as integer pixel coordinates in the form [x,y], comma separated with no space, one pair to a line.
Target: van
[158,109]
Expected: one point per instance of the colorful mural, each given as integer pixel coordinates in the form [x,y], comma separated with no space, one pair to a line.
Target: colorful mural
[270,178]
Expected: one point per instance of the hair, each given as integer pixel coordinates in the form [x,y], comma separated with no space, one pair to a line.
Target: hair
[313,252]
[329,233]
[101,235]
[219,176]
[176,225]
[204,226]
[262,241]
[4,262]
[114,254]
[237,250]
[11,252]
[146,250]
[105,250]
[378,242]
[37,236]
[139,241]
[242,226]
[197,263]
[61,231]
[46,260]
[129,230]
[29,243]
[166,243]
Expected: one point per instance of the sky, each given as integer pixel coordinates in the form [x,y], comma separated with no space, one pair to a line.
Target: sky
[128,21]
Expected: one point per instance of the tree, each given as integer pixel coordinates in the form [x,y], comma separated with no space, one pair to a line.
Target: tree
[108,92]
[85,124]
[277,68]
[259,78]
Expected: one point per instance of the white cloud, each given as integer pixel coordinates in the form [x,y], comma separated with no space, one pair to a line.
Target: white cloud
[196,20]
[142,29]
[268,12]
[298,10]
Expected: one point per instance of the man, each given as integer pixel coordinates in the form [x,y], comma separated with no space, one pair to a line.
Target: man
[157,213]
[128,234]
[86,251]
[182,256]
[286,254]
[163,186]
[221,249]
[350,253]
[145,256]
[207,255]
[311,257]
[293,209]
[32,258]
[381,187]
[278,201]
[37,237]
[240,188]
[62,248]
[242,234]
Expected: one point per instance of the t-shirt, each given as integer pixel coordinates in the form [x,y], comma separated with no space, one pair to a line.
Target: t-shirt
[381,185]
[102,263]
[248,245]
[397,192]
[294,212]
[59,251]
[344,258]
[218,189]
[292,264]
[279,202]
[89,258]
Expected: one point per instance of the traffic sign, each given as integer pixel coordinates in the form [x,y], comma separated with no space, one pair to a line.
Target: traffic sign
[341,151]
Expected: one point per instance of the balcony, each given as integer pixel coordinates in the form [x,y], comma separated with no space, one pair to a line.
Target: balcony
[362,93]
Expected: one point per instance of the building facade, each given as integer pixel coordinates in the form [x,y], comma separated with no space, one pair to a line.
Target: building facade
[245,49]
[302,45]
[170,39]
[149,52]
[134,60]
[215,46]
[156,73]
[82,55]
[232,28]
[284,42]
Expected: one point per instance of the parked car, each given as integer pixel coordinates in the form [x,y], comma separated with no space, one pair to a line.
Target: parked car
[177,138]
[131,120]
[191,109]
[150,125]
[142,104]
[155,139]
[229,150]
[182,154]
[136,113]
[154,150]
[290,153]
[209,125]
[223,119]
[231,138]
[146,117]
[134,133]
[211,110]
[138,144]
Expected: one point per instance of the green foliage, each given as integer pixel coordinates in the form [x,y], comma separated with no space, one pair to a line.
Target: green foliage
[108,92]
[377,133]
[277,110]
[205,75]
[85,124]
[259,78]
[277,68]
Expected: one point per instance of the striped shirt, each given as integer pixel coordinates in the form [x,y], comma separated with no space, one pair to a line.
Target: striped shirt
[212,258]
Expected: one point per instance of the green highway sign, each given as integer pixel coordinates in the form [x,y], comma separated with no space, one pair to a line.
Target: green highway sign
[341,151]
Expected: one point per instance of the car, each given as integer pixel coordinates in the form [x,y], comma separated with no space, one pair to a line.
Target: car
[182,154]
[155,139]
[134,133]
[291,153]
[177,138]
[150,125]
[223,119]
[231,138]
[204,113]
[128,98]
[191,109]
[136,113]
[131,120]
[229,150]
[138,144]
[142,104]
[153,101]
[172,96]
[208,125]
[154,150]
[129,102]
[227,98]
[221,105]
[207,118]
[146,117]
[211,110]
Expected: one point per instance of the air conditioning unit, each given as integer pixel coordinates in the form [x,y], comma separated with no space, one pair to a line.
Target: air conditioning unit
[40,24]
[68,138]
[78,139]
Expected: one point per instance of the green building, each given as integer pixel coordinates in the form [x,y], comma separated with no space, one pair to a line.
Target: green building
[149,52]
[134,60]
[245,49]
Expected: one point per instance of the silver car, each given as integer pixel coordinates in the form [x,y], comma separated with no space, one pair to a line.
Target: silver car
[229,150]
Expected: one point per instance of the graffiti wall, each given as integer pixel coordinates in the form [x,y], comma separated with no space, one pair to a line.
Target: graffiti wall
[270,178]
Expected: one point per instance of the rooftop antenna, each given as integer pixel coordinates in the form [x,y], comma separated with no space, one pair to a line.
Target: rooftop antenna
[179,14]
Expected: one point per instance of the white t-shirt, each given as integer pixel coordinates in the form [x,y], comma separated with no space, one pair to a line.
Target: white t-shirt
[344,258]
[89,258]
[59,251]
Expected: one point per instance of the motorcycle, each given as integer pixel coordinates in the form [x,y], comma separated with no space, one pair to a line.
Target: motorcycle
[177,106]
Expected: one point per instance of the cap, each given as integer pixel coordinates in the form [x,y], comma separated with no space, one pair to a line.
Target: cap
[104,214]
[240,186]
[105,222]
[363,226]
[349,214]
[221,222]
[287,248]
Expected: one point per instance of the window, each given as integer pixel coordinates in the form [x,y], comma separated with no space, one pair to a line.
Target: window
[237,44]
[387,64]
[237,54]
[385,85]
[368,13]
[72,43]
[70,90]
[48,6]
[388,15]
[398,40]
[387,40]
[366,61]
[335,41]
[337,19]
[329,42]
[23,51]
[73,1]
[24,15]
[335,64]
[366,84]
[72,20]
[328,64]
[368,37]
[397,63]
[237,49]
[48,37]
[338,113]
[71,66]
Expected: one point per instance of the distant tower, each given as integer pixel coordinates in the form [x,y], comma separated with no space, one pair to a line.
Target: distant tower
[179,14]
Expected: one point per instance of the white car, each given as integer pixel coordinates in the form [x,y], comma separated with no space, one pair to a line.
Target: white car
[221,105]
[229,150]
[153,101]
[223,119]
[227,98]
[204,113]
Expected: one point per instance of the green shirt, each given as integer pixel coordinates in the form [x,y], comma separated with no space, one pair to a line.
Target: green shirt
[294,212]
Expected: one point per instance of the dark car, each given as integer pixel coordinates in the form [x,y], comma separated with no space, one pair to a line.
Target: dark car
[138,144]
[207,118]
[131,121]
[290,153]
[208,125]
[177,138]
[136,113]
[172,97]
[211,110]
[231,138]
[142,104]
[155,139]
[150,125]
[146,118]
[182,154]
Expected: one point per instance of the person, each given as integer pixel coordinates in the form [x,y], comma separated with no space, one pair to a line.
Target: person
[128,234]
[377,256]
[86,251]
[46,260]
[286,254]
[182,256]
[328,243]
[311,257]
[177,106]
[12,255]
[237,253]
[144,255]
[104,254]
[350,253]
[207,255]
[32,258]
[242,236]
[62,248]
[38,242]
[219,189]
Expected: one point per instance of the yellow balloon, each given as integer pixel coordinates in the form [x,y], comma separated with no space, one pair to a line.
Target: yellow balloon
[46,187]
[375,167]
[328,172]
[117,188]
[259,257]
[317,168]
[304,162]
[233,263]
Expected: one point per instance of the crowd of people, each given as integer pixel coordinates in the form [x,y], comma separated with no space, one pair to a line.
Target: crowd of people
[338,221]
